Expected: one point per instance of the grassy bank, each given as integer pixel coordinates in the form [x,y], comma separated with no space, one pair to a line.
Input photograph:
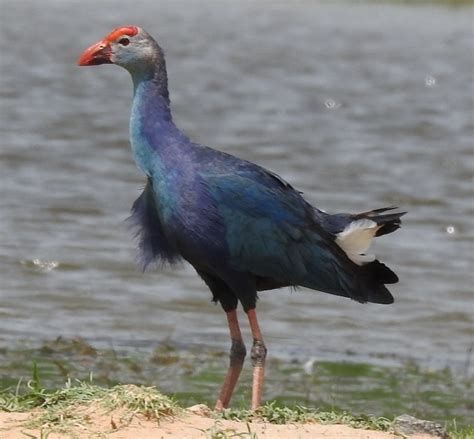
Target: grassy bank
[75,409]
[338,391]
[67,407]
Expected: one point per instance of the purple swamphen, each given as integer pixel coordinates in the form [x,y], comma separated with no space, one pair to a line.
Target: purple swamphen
[242,228]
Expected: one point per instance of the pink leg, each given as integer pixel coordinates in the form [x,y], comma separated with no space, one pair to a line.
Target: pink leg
[258,354]
[237,356]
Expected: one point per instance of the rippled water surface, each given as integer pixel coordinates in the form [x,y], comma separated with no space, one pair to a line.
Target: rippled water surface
[359,106]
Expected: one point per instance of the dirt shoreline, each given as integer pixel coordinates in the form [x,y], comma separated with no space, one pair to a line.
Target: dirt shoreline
[190,425]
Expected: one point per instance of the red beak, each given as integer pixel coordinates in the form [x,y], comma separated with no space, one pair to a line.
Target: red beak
[98,53]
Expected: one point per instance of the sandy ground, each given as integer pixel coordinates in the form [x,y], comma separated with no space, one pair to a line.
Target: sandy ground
[189,426]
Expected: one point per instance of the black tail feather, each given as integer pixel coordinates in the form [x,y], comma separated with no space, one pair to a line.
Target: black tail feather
[379,273]
[375,275]
[389,222]
[380,295]
[374,212]
[372,276]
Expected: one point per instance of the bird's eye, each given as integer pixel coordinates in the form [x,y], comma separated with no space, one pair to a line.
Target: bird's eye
[124,41]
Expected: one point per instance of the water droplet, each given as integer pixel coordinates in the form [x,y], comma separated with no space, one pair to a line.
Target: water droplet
[430,81]
[331,104]
[450,230]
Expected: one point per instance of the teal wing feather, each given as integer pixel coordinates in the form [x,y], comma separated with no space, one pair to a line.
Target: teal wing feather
[271,232]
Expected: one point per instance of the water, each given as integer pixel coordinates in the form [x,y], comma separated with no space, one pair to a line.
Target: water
[359,106]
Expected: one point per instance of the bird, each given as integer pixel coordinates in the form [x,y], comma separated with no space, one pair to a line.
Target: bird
[243,228]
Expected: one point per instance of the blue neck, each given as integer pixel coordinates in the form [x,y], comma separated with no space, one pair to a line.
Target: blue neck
[152,76]
[152,130]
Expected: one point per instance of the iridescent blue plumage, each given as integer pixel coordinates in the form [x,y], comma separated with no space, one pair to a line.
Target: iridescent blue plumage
[242,228]
[230,218]
[227,216]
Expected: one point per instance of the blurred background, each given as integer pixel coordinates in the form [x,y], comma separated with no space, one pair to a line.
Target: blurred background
[358,104]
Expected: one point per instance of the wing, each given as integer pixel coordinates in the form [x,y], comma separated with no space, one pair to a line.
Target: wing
[271,232]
